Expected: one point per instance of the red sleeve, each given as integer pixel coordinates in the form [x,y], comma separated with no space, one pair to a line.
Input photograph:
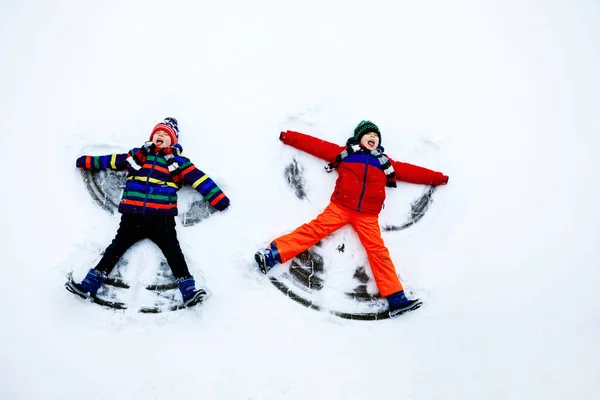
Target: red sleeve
[414,174]
[312,145]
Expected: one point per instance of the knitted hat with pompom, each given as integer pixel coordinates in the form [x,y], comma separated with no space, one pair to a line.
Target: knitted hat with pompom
[169,125]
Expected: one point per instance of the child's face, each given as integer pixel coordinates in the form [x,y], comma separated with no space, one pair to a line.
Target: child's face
[161,139]
[370,141]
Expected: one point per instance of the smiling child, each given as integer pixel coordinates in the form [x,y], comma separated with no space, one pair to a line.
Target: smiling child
[155,172]
[364,171]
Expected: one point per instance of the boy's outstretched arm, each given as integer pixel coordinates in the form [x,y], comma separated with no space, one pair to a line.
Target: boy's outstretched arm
[312,145]
[118,162]
[96,163]
[204,185]
[414,174]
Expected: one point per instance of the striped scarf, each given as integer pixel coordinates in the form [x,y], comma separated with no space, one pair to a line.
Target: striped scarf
[173,165]
[137,159]
[386,165]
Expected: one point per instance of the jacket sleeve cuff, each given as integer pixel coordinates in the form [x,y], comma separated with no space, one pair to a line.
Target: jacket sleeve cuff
[222,204]
[80,163]
[441,179]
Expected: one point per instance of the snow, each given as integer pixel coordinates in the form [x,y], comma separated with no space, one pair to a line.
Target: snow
[500,95]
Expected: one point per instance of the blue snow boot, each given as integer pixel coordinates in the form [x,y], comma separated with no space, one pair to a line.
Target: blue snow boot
[191,296]
[89,285]
[267,258]
[399,303]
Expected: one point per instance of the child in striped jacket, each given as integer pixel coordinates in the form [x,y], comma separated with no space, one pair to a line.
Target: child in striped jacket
[155,172]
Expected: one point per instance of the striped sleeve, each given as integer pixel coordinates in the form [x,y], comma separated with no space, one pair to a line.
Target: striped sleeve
[204,185]
[96,163]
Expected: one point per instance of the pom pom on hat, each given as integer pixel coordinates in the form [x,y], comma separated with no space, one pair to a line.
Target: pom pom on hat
[365,127]
[169,125]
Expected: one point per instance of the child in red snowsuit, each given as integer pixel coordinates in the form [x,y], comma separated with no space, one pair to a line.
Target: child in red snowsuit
[364,172]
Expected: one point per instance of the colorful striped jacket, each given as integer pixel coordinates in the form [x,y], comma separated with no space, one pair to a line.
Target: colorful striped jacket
[151,189]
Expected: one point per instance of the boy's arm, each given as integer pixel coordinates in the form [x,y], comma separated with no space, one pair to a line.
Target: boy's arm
[312,145]
[117,162]
[204,185]
[414,174]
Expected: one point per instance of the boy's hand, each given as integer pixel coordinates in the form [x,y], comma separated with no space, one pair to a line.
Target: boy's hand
[148,148]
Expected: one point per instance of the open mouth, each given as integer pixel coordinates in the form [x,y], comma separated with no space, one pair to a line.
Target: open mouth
[371,143]
[159,141]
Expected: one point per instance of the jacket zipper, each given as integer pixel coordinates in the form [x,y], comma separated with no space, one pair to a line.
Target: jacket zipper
[364,185]
[147,184]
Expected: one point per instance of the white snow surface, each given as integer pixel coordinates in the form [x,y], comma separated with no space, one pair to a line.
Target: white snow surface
[500,95]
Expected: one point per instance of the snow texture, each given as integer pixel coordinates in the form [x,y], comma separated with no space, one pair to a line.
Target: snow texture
[502,96]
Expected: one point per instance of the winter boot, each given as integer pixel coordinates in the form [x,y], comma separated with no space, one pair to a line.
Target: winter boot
[266,259]
[399,303]
[89,285]
[191,296]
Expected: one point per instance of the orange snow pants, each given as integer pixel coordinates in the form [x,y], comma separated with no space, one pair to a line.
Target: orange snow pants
[366,226]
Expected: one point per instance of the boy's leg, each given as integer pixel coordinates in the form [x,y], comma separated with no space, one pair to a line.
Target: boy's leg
[369,233]
[307,235]
[130,231]
[163,233]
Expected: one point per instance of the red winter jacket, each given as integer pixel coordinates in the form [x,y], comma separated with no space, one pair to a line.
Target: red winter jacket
[361,181]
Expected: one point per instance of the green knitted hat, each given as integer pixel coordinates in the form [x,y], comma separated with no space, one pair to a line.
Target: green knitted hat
[365,127]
